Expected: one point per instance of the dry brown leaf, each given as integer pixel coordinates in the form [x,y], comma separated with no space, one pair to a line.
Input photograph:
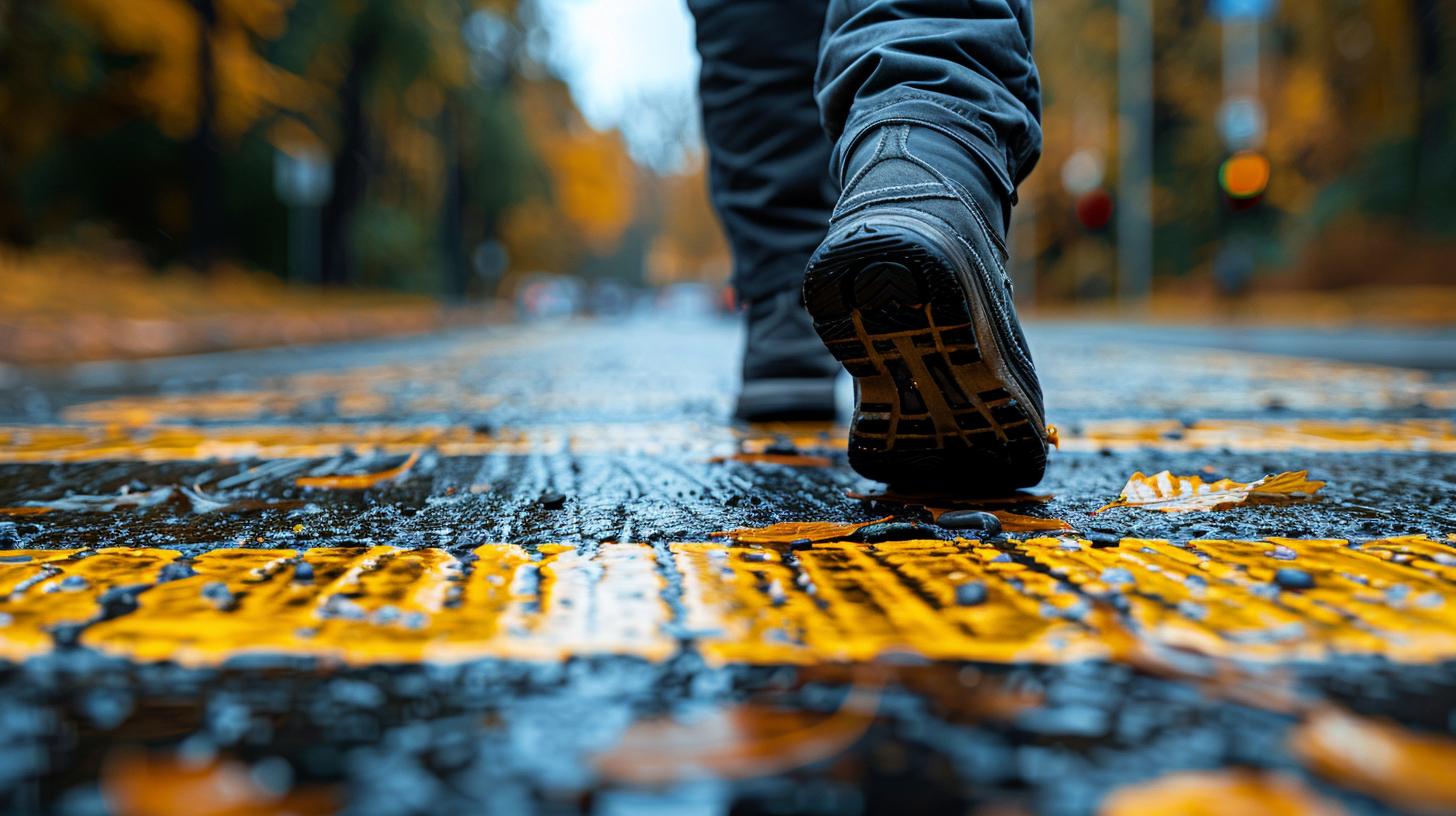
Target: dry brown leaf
[360,481]
[143,785]
[1018,523]
[1167,493]
[1216,793]
[1013,522]
[950,501]
[737,742]
[1382,759]
[24,511]
[789,531]
[786,459]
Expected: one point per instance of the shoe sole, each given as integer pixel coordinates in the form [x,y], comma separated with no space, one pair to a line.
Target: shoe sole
[937,404]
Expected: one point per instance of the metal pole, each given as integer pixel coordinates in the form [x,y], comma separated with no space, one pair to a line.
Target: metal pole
[1135,152]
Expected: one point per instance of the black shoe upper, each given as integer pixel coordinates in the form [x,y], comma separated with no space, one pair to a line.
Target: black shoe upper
[781,342]
[918,169]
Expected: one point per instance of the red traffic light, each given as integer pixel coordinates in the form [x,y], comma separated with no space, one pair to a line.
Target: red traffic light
[1094,209]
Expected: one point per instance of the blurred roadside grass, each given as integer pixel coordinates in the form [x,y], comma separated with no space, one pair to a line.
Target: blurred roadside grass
[1409,307]
[69,305]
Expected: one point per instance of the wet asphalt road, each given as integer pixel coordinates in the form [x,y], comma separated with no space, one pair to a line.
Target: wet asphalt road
[474,572]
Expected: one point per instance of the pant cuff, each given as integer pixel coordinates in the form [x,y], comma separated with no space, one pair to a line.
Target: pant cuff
[758,281]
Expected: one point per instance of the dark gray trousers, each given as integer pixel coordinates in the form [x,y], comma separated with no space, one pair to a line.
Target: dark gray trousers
[788,86]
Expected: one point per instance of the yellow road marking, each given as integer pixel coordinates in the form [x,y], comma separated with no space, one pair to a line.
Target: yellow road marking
[172,443]
[1047,600]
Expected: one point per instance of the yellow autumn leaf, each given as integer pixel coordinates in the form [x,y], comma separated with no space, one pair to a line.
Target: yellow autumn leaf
[1211,793]
[138,783]
[785,459]
[1167,493]
[1396,765]
[740,742]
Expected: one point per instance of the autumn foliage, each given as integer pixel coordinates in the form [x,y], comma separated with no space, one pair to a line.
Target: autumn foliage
[163,122]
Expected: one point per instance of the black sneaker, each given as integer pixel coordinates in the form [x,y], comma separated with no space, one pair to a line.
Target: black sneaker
[787,374]
[910,292]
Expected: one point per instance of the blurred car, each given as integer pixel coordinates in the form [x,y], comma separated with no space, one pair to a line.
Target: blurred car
[543,296]
[688,300]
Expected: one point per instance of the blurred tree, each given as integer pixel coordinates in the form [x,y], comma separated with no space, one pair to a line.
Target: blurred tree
[590,198]
[163,118]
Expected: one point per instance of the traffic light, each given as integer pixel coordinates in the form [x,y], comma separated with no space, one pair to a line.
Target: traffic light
[1244,177]
[1094,209]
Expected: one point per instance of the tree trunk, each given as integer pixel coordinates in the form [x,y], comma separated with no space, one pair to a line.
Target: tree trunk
[351,165]
[1433,100]
[452,215]
[202,150]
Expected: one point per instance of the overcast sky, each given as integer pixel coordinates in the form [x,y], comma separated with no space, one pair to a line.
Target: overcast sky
[630,65]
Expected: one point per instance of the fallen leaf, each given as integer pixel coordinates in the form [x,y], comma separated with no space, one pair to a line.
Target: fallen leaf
[25,511]
[360,481]
[786,459]
[736,742]
[1167,493]
[144,785]
[1215,793]
[1012,522]
[965,695]
[788,531]
[1017,523]
[1409,770]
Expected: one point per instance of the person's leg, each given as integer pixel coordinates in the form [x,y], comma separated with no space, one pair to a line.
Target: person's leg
[769,172]
[934,108]
[961,65]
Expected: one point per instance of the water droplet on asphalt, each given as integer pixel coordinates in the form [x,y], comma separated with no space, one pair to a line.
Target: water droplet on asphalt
[971,593]
[1290,578]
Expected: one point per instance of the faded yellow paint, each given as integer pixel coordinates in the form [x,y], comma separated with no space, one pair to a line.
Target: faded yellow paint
[125,440]
[1248,436]
[390,605]
[45,590]
[1044,600]
[747,606]
[1216,597]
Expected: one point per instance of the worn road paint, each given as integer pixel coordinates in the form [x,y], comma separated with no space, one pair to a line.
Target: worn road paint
[386,605]
[170,443]
[1045,600]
